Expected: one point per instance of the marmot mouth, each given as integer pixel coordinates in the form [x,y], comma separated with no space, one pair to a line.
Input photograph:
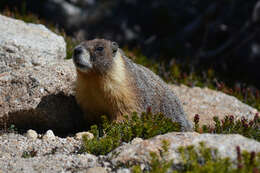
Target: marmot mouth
[79,65]
[82,63]
[81,59]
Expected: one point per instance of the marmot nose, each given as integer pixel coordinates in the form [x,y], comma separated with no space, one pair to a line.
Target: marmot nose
[78,50]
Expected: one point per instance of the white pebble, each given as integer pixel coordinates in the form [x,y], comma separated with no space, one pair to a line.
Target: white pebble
[136,140]
[31,134]
[80,135]
[48,136]
[42,90]
[123,170]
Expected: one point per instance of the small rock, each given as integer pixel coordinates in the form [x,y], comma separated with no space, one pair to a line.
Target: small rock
[96,170]
[80,135]
[136,140]
[105,164]
[124,170]
[31,134]
[48,136]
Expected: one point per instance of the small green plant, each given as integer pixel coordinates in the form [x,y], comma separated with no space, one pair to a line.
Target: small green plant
[29,154]
[111,135]
[243,126]
[158,163]
[12,129]
[203,159]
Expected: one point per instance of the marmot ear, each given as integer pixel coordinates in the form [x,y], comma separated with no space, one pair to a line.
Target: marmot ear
[114,47]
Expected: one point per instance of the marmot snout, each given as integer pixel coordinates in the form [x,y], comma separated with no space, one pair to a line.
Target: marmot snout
[109,83]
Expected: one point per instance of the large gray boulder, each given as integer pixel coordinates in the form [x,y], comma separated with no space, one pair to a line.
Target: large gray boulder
[27,45]
[36,83]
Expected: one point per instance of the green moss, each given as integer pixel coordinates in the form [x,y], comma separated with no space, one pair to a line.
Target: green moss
[111,135]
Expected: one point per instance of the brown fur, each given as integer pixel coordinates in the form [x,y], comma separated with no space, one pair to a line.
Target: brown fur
[110,95]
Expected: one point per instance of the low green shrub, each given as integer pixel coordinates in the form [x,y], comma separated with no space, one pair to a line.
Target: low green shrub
[243,126]
[109,135]
[203,159]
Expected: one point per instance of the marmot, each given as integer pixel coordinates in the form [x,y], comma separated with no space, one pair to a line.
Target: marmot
[109,83]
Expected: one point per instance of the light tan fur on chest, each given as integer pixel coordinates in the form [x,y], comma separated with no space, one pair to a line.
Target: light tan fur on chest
[112,95]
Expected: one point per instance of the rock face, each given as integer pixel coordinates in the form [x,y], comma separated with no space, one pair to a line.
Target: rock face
[27,45]
[21,154]
[36,83]
[140,152]
[209,103]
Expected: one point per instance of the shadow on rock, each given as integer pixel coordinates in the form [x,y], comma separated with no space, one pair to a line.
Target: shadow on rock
[58,112]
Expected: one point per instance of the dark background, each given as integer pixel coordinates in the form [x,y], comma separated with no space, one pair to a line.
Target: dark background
[223,34]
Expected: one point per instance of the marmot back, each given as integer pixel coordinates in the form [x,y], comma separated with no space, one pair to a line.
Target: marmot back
[110,83]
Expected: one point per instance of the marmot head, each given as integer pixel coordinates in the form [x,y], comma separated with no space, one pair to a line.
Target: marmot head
[95,56]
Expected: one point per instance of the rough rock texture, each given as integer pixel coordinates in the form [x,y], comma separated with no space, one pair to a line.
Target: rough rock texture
[26,45]
[140,152]
[209,103]
[96,169]
[36,83]
[21,154]
[39,97]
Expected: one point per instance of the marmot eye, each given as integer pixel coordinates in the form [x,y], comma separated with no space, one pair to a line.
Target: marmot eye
[99,48]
